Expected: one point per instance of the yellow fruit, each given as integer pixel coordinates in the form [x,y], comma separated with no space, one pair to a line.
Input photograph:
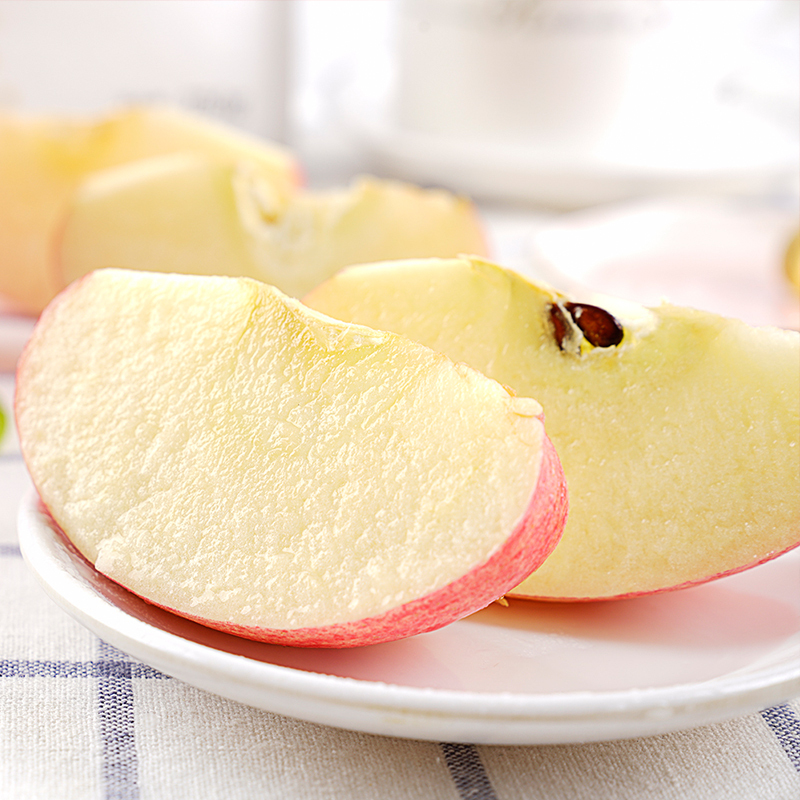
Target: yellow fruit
[44,159]
[186,213]
[678,430]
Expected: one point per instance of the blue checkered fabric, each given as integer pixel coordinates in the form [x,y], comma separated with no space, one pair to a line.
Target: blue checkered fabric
[79,719]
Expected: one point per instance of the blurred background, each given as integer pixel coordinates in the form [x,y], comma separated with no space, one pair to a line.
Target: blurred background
[639,147]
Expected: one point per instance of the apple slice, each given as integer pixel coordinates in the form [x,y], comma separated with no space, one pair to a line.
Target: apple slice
[184,213]
[226,453]
[678,430]
[44,158]
[176,213]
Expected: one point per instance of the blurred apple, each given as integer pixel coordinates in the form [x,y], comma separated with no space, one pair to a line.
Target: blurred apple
[184,213]
[43,159]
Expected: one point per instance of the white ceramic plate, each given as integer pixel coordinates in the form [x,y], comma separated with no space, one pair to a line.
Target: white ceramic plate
[725,256]
[532,673]
[763,162]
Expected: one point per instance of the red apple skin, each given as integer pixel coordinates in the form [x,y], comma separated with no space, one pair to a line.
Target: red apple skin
[534,538]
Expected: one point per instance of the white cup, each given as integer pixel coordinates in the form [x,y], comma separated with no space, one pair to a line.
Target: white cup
[557,74]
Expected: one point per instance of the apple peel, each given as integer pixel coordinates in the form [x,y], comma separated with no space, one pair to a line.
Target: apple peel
[452,602]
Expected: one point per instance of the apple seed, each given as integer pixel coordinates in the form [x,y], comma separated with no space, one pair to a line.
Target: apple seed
[600,328]
[561,327]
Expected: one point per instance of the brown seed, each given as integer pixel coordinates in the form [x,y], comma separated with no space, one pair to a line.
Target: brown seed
[599,327]
[560,325]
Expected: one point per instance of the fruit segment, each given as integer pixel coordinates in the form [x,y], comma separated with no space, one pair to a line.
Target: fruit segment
[226,453]
[678,430]
[44,159]
[176,213]
[188,214]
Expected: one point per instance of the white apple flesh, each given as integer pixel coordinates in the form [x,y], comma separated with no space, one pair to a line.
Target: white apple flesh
[228,454]
[186,213]
[680,442]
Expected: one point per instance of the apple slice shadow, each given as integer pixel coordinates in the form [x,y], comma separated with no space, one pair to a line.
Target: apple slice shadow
[750,608]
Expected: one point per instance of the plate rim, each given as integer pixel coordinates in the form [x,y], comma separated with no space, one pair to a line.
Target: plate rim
[403,711]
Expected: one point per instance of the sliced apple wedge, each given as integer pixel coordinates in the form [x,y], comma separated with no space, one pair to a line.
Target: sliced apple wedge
[188,214]
[177,213]
[678,430]
[44,158]
[226,453]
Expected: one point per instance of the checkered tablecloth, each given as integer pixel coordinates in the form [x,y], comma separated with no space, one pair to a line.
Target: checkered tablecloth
[79,719]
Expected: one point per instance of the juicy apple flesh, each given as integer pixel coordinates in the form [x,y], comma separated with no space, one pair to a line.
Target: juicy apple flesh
[677,429]
[189,214]
[45,158]
[226,453]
